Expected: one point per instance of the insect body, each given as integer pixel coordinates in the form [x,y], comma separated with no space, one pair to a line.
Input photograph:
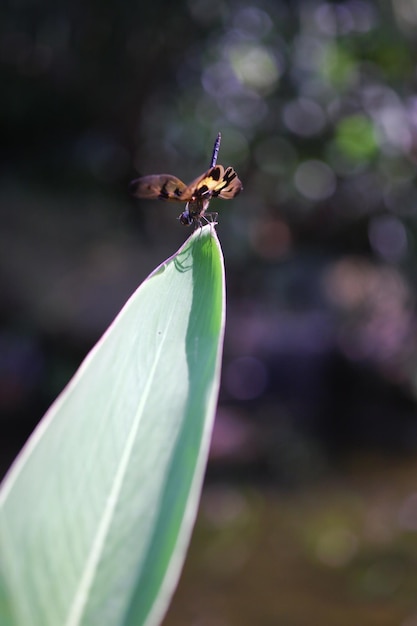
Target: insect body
[216,182]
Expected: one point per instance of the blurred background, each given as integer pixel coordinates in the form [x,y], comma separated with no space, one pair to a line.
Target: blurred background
[310,501]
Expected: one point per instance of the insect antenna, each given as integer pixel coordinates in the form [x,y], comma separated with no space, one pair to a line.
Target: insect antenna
[216,150]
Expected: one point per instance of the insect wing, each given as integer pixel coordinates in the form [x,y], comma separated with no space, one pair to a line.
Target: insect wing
[230,185]
[198,187]
[217,181]
[162,186]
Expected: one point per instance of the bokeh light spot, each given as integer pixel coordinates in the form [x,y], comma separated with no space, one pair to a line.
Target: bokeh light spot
[334,18]
[315,180]
[304,117]
[356,137]
[252,23]
[338,66]
[336,547]
[388,237]
[255,67]
[219,78]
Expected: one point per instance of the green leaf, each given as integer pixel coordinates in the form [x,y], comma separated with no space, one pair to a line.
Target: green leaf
[97,511]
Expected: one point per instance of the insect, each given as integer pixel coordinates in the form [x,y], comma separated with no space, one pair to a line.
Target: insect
[218,181]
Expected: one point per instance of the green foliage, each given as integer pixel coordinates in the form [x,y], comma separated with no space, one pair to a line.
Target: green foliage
[355,137]
[338,65]
[97,512]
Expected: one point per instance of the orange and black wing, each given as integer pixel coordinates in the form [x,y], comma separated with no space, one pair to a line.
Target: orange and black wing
[162,186]
[216,182]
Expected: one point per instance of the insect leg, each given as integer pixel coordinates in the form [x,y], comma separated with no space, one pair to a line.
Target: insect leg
[211,218]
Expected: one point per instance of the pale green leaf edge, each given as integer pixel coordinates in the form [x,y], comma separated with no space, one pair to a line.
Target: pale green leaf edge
[171,577]
[184,535]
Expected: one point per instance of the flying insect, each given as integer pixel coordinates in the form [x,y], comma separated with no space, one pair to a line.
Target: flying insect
[217,182]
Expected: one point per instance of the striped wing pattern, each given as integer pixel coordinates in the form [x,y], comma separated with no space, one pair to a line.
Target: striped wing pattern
[216,182]
[163,186]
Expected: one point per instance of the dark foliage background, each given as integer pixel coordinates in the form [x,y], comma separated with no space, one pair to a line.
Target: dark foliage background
[312,476]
